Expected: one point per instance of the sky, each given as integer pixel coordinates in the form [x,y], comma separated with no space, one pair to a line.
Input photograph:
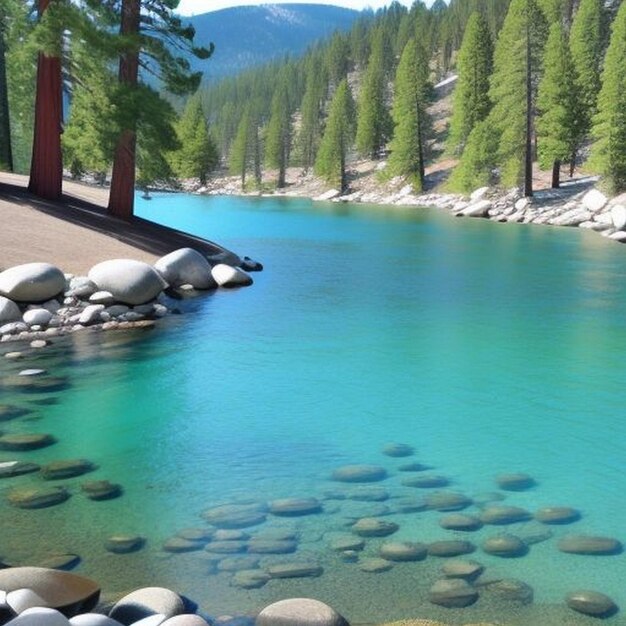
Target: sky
[195,7]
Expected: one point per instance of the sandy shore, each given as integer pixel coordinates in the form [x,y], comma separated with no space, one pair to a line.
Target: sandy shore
[75,234]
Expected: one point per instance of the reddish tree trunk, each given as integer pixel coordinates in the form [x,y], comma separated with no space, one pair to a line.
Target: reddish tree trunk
[556,174]
[6,154]
[122,195]
[46,170]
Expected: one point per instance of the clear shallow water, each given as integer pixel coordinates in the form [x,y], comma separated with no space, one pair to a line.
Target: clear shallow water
[490,348]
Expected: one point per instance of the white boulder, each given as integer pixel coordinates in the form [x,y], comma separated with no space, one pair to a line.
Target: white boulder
[91,314]
[620,235]
[299,612]
[186,266]
[227,276]
[478,194]
[37,317]
[618,216]
[521,204]
[102,297]
[9,311]
[328,195]
[477,209]
[185,620]
[40,617]
[93,619]
[32,282]
[594,200]
[147,602]
[22,599]
[129,281]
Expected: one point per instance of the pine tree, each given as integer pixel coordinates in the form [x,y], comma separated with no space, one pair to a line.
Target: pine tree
[311,111]
[338,58]
[558,125]
[197,154]
[586,44]
[278,140]
[374,122]
[471,95]
[609,124]
[478,160]
[411,96]
[6,151]
[517,67]
[239,156]
[338,138]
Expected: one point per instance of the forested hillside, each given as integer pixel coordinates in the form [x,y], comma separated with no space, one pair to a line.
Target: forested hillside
[541,84]
[248,36]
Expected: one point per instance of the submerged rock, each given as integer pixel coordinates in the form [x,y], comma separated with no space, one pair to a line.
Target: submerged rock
[397,450]
[557,515]
[37,497]
[590,545]
[295,569]
[178,545]
[458,568]
[510,590]
[461,522]
[8,469]
[373,565]
[124,544]
[368,494]
[414,467]
[295,506]
[250,579]
[347,542]
[299,612]
[26,441]
[359,473]
[101,490]
[226,547]
[66,469]
[515,482]
[374,527]
[451,548]
[505,545]
[64,562]
[403,551]
[238,563]
[426,481]
[236,515]
[452,593]
[500,515]
[444,501]
[591,603]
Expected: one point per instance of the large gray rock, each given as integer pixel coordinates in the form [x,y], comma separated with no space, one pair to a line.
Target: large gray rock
[292,507]
[477,209]
[32,282]
[299,612]
[66,592]
[9,311]
[403,551]
[374,527]
[185,620]
[129,281]
[452,593]
[228,276]
[591,603]
[236,515]
[590,545]
[40,616]
[37,497]
[186,267]
[145,603]
[93,619]
[594,200]
[618,216]
[37,317]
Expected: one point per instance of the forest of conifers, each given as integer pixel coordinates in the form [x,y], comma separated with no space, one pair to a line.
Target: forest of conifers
[541,83]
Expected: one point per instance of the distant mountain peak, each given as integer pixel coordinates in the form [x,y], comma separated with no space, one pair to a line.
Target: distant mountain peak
[247,36]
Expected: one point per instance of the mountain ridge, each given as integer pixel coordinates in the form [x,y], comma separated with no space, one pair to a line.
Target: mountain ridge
[252,35]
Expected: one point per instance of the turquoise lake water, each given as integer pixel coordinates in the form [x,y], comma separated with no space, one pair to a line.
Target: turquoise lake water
[490,348]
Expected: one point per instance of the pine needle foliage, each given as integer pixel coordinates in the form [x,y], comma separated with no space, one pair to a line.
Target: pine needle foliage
[338,138]
[471,94]
[609,124]
[411,97]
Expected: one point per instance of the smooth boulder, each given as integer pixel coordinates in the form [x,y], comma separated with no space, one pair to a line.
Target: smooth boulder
[147,602]
[403,551]
[69,593]
[501,515]
[398,450]
[293,507]
[129,281]
[32,282]
[186,267]
[590,545]
[557,515]
[37,497]
[228,276]
[374,527]
[299,612]
[236,515]
[9,311]
[295,569]
[359,474]
[40,616]
[452,593]
[515,482]
[591,603]
[507,546]
[450,548]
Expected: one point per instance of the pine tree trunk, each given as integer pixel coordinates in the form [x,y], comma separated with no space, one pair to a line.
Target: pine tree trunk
[122,195]
[257,157]
[6,153]
[572,164]
[528,161]
[344,178]
[46,170]
[556,174]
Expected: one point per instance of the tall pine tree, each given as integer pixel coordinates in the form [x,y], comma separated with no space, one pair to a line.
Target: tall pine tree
[278,139]
[471,94]
[609,124]
[197,154]
[517,67]
[411,95]
[338,138]
[558,124]
[374,122]
[311,111]
[587,48]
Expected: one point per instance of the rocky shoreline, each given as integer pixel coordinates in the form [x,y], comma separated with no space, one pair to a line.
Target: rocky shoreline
[38,301]
[576,204]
